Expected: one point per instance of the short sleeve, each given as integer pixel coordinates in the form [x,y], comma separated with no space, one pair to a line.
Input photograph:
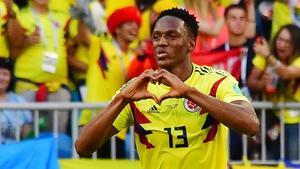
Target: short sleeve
[296,62]
[26,20]
[124,119]
[229,90]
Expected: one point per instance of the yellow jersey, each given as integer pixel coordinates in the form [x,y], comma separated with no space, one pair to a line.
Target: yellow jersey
[106,72]
[30,64]
[179,134]
[62,6]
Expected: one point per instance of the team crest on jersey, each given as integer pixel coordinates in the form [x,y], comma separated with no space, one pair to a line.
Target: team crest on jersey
[191,106]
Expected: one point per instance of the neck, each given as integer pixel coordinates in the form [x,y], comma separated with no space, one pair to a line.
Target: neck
[236,40]
[123,44]
[3,95]
[40,8]
[183,70]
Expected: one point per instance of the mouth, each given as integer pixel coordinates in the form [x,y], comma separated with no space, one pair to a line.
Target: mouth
[133,33]
[161,54]
[281,50]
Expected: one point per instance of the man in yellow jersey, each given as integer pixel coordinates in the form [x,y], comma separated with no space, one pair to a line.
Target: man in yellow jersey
[37,34]
[180,111]
[79,43]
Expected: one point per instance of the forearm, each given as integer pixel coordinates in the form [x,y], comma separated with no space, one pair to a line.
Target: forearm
[212,30]
[251,28]
[95,133]
[255,84]
[15,34]
[77,65]
[240,117]
[284,71]
[83,35]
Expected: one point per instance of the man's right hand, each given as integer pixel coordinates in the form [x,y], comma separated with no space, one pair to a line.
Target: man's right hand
[33,38]
[9,7]
[136,89]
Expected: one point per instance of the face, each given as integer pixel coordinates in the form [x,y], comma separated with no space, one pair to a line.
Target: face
[4,79]
[171,42]
[283,45]
[128,31]
[236,21]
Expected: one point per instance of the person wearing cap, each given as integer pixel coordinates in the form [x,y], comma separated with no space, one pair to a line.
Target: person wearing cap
[109,60]
[9,122]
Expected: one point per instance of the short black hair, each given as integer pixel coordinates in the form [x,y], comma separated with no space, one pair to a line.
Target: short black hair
[234,6]
[6,63]
[189,19]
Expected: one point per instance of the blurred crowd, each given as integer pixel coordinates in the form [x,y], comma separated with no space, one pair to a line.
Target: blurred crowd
[85,50]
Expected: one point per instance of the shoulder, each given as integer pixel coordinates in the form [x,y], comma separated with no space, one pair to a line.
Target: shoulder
[14,98]
[211,76]
[25,11]
[61,16]
[209,71]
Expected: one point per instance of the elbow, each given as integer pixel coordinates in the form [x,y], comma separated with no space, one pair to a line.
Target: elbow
[81,149]
[252,127]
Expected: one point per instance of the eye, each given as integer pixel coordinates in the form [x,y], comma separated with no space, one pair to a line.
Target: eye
[173,36]
[155,37]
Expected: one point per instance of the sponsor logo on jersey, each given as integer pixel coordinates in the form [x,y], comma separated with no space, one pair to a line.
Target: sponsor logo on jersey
[153,109]
[191,106]
[172,106]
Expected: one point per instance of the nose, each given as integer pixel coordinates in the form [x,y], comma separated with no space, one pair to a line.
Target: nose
[162,41]
[134,26]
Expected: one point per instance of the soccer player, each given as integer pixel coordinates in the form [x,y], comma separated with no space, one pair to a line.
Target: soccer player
[180,111]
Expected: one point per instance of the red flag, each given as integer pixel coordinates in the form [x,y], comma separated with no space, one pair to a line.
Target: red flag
[225,60]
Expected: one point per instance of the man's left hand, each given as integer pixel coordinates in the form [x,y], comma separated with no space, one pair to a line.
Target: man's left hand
[178,88]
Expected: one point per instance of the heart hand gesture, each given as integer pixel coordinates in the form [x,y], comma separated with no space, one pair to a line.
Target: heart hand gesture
[178,88]
[136,89]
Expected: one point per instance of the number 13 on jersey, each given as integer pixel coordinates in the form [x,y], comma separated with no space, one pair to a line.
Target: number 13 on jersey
[180,137]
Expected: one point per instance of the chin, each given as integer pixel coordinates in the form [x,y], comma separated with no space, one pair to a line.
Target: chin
[163,65]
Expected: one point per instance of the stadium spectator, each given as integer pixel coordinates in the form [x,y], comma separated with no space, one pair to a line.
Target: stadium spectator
[177,109]
[109,60]
[276,71]
[36,36]
[11,121]
[240,20]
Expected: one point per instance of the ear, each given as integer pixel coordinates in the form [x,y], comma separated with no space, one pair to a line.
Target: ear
[191,44]
[118,30]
